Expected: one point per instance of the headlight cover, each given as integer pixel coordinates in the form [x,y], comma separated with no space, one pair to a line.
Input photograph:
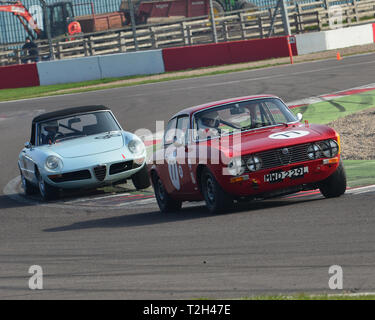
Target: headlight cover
[254,163]
[330,148]
[53,163]
[136,147]
[236,167]
[313,151]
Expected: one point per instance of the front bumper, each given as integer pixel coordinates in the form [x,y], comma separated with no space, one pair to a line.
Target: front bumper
[95,175]
[257,183]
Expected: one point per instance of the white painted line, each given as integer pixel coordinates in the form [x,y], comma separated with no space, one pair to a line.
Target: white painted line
[361,190]
[327,96]
[97,198]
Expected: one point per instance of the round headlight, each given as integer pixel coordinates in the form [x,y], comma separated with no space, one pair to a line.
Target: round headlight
[330,148]
[326,149]
[236,167]
[136,147]
[53,163]
[254,163]
[334,147]
[313,151]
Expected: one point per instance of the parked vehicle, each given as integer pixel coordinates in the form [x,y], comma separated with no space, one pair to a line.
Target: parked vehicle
[243,148]
[81,147]
[61,19]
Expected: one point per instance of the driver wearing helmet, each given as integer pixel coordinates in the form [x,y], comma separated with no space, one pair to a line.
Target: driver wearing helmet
[49,131]
[208,124]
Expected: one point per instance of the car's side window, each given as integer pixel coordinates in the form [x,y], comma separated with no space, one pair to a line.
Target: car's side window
[170,131]
[182,132]
[275,111]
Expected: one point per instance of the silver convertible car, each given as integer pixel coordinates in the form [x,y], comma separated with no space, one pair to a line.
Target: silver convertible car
[80,147]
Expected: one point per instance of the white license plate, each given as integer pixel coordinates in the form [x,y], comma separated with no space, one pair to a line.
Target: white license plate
[281,175]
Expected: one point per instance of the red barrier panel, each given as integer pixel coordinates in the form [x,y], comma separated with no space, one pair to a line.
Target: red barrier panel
[199,56]
[19,76]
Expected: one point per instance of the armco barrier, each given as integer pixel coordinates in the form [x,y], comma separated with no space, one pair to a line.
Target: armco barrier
[130,64]
[70,70]
[19,76]
[182,58]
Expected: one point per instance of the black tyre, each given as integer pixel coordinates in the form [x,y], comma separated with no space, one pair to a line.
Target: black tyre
[217,200]
[335,184]
[141,179]
[165,202]
[47,191]
[27,186]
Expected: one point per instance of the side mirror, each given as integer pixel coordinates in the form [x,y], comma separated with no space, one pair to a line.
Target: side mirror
[299,116]
[28,145]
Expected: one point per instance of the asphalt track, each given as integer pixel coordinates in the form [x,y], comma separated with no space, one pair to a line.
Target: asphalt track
[283,245]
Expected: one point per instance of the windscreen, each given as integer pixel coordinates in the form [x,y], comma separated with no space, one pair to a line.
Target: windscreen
[77,126]
[241,116]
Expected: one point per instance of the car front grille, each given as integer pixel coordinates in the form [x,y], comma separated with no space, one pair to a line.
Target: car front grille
[71,176]
[283,156]
[121,167]
[100,172]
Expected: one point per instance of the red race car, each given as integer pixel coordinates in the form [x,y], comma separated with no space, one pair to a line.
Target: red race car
[243,148]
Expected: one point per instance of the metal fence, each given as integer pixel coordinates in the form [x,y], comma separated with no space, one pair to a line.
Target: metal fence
[11,31]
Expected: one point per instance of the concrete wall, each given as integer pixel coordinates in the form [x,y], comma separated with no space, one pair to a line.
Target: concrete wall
[347,37]
[311,42]
[99,67]
[130,64]
[335,39]
[69,70]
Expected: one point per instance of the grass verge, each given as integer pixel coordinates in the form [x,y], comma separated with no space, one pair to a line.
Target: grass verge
[304,296]
[359,172]
[327,111]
